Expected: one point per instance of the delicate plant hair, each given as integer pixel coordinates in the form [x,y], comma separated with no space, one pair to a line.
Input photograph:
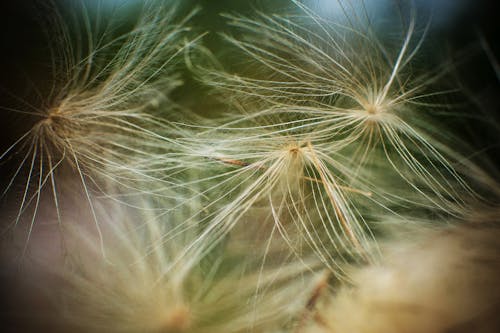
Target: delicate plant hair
[100,119]
[340,84]
[312,144]
[141,286]
[280,182]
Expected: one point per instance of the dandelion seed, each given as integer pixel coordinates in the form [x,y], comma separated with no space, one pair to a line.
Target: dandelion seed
[98,119]
[340,83]
[280,180]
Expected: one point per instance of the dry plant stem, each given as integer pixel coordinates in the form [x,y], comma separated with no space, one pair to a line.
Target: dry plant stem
[310,310]
[340,215]
[245,164]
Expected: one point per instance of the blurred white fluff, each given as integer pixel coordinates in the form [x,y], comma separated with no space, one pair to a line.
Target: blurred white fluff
[445,281]
[144,284]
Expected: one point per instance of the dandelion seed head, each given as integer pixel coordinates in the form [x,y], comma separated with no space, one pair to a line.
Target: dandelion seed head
[99,117]
[285,182]
[353,93]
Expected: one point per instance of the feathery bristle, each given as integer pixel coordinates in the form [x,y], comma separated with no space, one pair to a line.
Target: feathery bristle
[341,85]
[100,120]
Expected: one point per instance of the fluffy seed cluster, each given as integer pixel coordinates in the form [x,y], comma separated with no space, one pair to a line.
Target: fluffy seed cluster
[322,194]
